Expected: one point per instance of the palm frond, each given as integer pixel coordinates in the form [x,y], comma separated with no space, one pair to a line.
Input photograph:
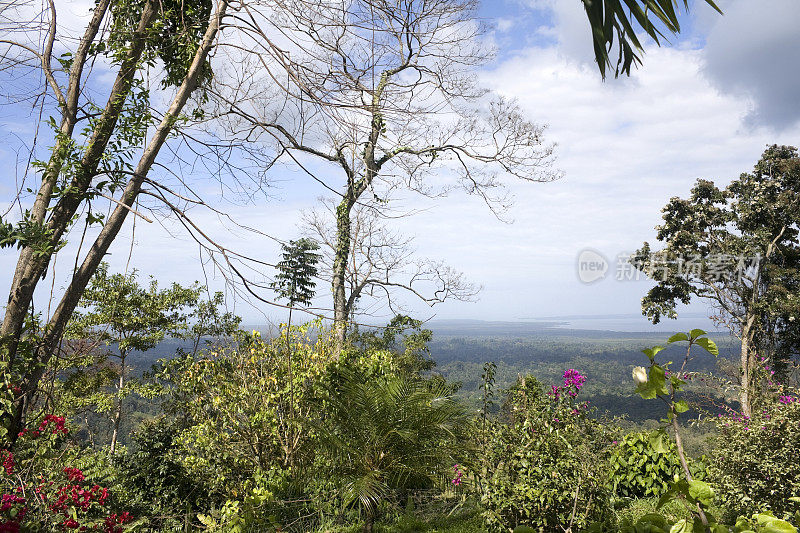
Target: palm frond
[621,19]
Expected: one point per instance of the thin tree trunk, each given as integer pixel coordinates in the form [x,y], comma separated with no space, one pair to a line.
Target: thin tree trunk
[290,373]
[684,464]
[31,267]
[745,359]
[118,410]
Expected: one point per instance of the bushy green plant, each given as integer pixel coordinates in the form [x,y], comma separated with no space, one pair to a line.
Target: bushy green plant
[755,464]
[639,470]
[657,523]
[155,483]
[386,435]
[544,466]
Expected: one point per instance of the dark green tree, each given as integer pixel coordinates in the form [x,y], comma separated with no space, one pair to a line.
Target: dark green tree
[736,248]
[296,272]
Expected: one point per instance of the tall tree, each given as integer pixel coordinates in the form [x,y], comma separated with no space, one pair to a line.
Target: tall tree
[737,248]
[296,272]
[384,94]
[100,149]
[295,283]
[382,264]
[130,318]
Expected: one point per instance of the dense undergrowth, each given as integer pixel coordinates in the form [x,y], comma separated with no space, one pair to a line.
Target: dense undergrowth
[279,434]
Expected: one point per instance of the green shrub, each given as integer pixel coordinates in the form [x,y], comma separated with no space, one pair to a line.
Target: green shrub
[755,464]
[544,466]
[639,470]
[154,482]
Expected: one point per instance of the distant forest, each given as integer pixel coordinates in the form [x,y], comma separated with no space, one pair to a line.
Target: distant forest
[460,348]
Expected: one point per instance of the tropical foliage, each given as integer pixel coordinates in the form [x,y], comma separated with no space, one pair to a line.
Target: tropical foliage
[545,464]
[334,426]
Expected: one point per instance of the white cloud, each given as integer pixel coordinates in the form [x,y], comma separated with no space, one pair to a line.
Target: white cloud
[626,146]
[504,24]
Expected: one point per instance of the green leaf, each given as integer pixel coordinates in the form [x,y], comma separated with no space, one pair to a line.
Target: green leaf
[770,524]
[681,526]
[696,333]
[681,406]
[709,345]
[657,379]
[678,337]
[702,492]
[646,391]
[657,442]
[651,352]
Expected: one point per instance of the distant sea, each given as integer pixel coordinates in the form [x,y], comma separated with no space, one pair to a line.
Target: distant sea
[628,323]
[572,325]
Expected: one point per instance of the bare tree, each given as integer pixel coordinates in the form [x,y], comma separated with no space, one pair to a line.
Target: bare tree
[383,94]
[99,149]
[382,263]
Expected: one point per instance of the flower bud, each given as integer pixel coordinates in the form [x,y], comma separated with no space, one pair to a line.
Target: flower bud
[640,375]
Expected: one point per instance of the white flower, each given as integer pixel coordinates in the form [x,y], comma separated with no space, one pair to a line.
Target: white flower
[791,319]
[639,375]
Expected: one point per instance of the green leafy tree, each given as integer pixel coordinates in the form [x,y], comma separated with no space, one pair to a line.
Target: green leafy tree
[296,272]
[210,323]
[232,404]
[736,248]
[130,317]
[295,283]
[405,338]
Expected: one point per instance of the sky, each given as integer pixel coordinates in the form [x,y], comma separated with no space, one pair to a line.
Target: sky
[704,106]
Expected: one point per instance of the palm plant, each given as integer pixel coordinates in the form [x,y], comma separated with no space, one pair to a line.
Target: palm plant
[387,435]
[621,20]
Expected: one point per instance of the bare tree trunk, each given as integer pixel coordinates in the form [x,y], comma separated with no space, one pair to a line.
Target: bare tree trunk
[118,410]
[747,367]
[55,328]
[290,373]
[341,255]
